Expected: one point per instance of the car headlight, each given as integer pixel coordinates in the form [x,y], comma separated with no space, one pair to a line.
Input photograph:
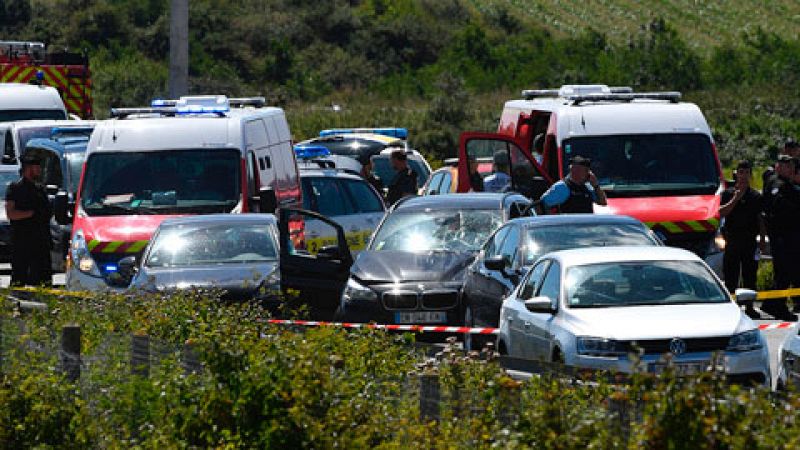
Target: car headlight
[744,342]
[81,257]
[357,292]
[592,346]
[718,244]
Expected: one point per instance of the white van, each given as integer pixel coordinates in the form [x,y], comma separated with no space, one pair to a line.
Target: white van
[27,101]
[196,155]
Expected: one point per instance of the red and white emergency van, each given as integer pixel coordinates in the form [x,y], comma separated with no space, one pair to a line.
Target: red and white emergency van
[195,155]
[654,155]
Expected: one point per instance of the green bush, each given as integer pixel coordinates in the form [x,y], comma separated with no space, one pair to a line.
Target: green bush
[265,386]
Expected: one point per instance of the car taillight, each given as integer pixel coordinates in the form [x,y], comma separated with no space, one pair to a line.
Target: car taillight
[297,232]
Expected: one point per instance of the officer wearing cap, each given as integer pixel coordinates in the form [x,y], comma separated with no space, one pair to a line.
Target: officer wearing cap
[28,209]
[791,148]
[577,192]
[782,214]
[499,180]
[405,181]
[742,208]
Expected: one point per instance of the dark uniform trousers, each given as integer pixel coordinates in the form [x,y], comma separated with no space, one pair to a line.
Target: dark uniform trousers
[739,257]
[785,259]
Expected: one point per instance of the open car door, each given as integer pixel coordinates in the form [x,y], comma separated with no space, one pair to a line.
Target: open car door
[527,176]
[317,276]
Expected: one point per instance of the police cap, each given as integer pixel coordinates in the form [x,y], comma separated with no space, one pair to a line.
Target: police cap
[580,161]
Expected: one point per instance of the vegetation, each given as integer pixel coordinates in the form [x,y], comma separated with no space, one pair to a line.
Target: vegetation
[264,386]
[439,67]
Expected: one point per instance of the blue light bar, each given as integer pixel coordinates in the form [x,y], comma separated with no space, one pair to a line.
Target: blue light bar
[161,103]
[110,268]
[70,130]
[311,151]
[400,133]
[199,109]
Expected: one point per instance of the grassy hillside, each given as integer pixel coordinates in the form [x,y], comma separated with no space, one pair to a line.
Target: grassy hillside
[702,24]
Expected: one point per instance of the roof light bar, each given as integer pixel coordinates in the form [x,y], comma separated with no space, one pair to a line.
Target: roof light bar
[70,130]
[621,90]
[311,151]
[258,102]
[530,94]
[672,97]
[121,113]
[400,133]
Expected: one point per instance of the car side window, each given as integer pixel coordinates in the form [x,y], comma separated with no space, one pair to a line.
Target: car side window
[364,198]
[433,186]
[330,197]
[510,244]
[495,243]
[444,187]
[551,286]
[531,284]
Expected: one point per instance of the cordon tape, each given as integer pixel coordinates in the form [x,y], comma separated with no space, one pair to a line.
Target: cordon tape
[764,295]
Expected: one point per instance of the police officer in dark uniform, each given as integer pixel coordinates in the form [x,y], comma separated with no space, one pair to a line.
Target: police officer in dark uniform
[791,148]
[742,208]
[782,212]
[28,209]
[405,181]
[577,192]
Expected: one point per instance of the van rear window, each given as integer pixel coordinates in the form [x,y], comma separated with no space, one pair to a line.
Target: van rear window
[647,165]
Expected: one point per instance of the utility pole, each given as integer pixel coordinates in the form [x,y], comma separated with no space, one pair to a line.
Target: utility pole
[178,48]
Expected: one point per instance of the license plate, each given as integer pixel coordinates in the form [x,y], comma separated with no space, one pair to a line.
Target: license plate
[420,317]
[681,369]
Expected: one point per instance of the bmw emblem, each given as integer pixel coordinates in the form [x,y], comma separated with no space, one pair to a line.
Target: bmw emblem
[677,346]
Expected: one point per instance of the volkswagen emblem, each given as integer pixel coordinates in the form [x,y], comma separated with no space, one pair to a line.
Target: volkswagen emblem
[677,346]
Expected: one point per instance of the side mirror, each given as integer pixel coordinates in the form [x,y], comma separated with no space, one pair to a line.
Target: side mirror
[61,208]
[497,262]
[329,252]
[541,305]
[267,201]
[745,295]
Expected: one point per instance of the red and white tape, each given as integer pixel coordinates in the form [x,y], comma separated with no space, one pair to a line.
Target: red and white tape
[417,328]
[445,329]
[776,326]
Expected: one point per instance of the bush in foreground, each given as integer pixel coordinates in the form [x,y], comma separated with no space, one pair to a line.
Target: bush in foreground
[262,386]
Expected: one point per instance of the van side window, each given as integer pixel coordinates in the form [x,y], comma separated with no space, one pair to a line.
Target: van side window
[551,150]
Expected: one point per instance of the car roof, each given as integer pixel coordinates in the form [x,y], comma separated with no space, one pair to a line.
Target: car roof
[473,200]
[597,255]
[27,96]
[211,219]
[582,219]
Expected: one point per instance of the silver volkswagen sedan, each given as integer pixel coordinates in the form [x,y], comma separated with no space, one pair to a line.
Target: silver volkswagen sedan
[598,307]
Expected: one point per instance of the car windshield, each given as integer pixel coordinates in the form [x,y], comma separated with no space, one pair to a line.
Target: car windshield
[12,115]
[647,165]
[195,245]
[7,177]
[384,171]
[161,182]
[542,240]
[437,230]
[641,283]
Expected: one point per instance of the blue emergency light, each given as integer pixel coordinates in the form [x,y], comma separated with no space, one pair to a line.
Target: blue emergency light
[400,133]
[110,268]
[311,151]
[201,109]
